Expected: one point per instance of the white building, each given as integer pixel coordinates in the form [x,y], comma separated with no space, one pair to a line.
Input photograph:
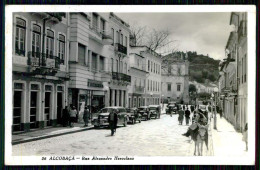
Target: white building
[175,80]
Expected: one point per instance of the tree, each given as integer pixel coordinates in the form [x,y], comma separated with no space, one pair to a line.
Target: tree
[204,74]
[212,77]
[137,35]
[192,88]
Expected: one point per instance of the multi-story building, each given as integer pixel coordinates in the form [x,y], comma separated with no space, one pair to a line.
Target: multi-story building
[234,73]
[175,80]
[138,72]
[40,69]
[239,20]
[98,60]
[146,89]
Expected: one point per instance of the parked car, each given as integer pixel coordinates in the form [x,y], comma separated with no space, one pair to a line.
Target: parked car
[144,111]
[133,115]
[155,111]
[101,118]
[171,108]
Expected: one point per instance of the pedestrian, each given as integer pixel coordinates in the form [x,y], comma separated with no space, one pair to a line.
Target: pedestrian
[187,116]
[73,116]
[65,116]
[192,108]
[220,112]
[181,114]
[245,136]
[112,119]
[86,116]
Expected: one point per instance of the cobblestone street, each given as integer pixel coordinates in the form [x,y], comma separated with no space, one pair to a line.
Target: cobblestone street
[160,137]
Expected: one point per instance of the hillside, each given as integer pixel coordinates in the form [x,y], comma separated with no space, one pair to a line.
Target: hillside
[201,67]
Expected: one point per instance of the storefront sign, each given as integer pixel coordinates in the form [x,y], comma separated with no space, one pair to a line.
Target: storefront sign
[94,83]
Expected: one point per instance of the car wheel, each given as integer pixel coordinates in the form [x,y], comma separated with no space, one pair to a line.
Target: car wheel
[95,126]
[139,120]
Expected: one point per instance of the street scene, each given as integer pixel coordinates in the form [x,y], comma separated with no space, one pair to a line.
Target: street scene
[106,84]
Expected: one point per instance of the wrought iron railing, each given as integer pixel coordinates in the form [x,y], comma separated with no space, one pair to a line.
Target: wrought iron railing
[120,48]
[121,77]
[38,59]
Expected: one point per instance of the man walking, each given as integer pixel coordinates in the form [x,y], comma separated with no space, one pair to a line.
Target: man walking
[86,116]
[112,119]
[187,116]
[181,114]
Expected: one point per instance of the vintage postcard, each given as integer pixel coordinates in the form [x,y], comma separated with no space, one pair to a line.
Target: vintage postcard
[160,85]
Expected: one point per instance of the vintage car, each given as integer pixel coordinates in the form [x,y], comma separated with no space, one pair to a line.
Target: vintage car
[155,111]
[101,118]
[144,111]
[171,108]
[133,115]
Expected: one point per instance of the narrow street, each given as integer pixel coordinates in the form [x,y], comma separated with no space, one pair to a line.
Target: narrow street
[160,137]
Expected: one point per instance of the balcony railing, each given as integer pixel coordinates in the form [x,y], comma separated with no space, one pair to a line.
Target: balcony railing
[120,48]
[38,59]
[121,77]
[139,89]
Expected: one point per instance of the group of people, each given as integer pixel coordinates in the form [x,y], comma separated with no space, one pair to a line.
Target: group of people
[183,112]
[70,115]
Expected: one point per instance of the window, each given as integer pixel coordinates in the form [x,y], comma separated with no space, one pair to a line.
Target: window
[121,66]
[102,24]
[151,66]
[118,37]
[159,69]
[102,63]
[125,68]
[148,85]
[20,36]
[154,67]
[169,88]
[242,75]
[61,52]
[49,44]
[178,87]
[81,54]
[94,61]
[36,40]
[113,36]
[117,66]
[121,39]
[179,71]
[245,69]
[148,65]
[125,41]
[112,64]
[95,22]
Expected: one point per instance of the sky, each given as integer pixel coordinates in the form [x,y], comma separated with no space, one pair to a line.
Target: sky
[205,33]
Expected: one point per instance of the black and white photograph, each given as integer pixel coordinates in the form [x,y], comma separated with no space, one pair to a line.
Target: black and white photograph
[130,85]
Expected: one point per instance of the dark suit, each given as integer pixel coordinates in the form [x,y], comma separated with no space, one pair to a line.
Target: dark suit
[112,119]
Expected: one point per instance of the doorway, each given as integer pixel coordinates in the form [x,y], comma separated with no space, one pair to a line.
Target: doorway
[59,107]
[17,110]
[33,109]
[47,109]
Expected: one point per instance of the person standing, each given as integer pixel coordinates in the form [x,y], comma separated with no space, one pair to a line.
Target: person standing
[181,114]
[65,116]
[220,112]
[187,116]
[86,116]
[73,116]
[112,119]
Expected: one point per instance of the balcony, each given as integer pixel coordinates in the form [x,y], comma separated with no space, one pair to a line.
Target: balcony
[138,89]
[120,48]
[41,63]
[106,37]
[121,77]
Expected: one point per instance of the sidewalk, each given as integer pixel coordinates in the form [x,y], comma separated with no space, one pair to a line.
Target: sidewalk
[47,133]
[226,141]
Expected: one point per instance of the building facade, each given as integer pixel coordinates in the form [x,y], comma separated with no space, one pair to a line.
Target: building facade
[234,73]
[136,91]
[98,61]
[175,80]
[40,69]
